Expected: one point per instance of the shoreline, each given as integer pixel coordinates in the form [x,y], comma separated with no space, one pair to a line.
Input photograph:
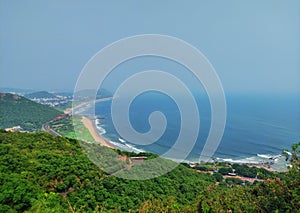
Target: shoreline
[91,127]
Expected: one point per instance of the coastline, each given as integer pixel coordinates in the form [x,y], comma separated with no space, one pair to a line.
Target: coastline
[90,125]
[92,128]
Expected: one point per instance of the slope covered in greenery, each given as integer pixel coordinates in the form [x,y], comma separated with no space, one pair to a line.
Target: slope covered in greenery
[43,173]
[16,110]
[272,195]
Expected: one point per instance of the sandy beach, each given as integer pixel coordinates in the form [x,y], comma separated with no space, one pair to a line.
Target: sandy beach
[90,125]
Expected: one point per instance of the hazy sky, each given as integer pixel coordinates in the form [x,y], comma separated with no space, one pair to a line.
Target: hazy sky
[253,45]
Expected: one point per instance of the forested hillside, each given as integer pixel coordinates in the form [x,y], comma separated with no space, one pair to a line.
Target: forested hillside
[16,110]
[272,195]
[43,173]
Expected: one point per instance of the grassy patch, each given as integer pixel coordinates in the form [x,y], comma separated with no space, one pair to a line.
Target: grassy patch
[67,126]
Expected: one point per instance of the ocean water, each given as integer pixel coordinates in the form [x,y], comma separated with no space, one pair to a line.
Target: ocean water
[258,127]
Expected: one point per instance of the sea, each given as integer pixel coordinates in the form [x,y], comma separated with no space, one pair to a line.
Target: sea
[258,126]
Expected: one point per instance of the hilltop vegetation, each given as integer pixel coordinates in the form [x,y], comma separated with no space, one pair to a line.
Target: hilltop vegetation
[40,94]
[16,110]
[272,195]
[43,173]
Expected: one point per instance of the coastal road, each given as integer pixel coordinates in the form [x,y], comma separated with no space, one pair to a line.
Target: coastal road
[46,128]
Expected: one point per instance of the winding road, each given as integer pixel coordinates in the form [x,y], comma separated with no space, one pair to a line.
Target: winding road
[46,126]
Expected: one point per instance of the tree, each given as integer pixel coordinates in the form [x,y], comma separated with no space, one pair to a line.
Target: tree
[218,176]
[225,171]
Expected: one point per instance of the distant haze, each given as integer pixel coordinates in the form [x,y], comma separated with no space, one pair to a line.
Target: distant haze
[253,45]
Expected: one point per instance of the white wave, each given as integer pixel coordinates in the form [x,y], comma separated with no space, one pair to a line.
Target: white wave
[287,152]
[264,156]
[97,122]
[122,140]
[123,145]
[118,145]
[101,130]
[270,157]
[250,160]
[99,127]
[134,148]
[126,147]
[276,162]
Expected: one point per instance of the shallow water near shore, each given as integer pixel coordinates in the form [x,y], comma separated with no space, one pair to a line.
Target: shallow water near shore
[258,127]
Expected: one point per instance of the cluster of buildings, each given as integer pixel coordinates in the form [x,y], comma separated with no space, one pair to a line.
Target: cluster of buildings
[54,101]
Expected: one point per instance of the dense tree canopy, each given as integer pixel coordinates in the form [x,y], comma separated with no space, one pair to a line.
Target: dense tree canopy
[39,172]
[272,195]
[43,173]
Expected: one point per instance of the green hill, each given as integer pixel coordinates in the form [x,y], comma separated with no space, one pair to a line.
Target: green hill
[43,173]
[16,110]
[40,94]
